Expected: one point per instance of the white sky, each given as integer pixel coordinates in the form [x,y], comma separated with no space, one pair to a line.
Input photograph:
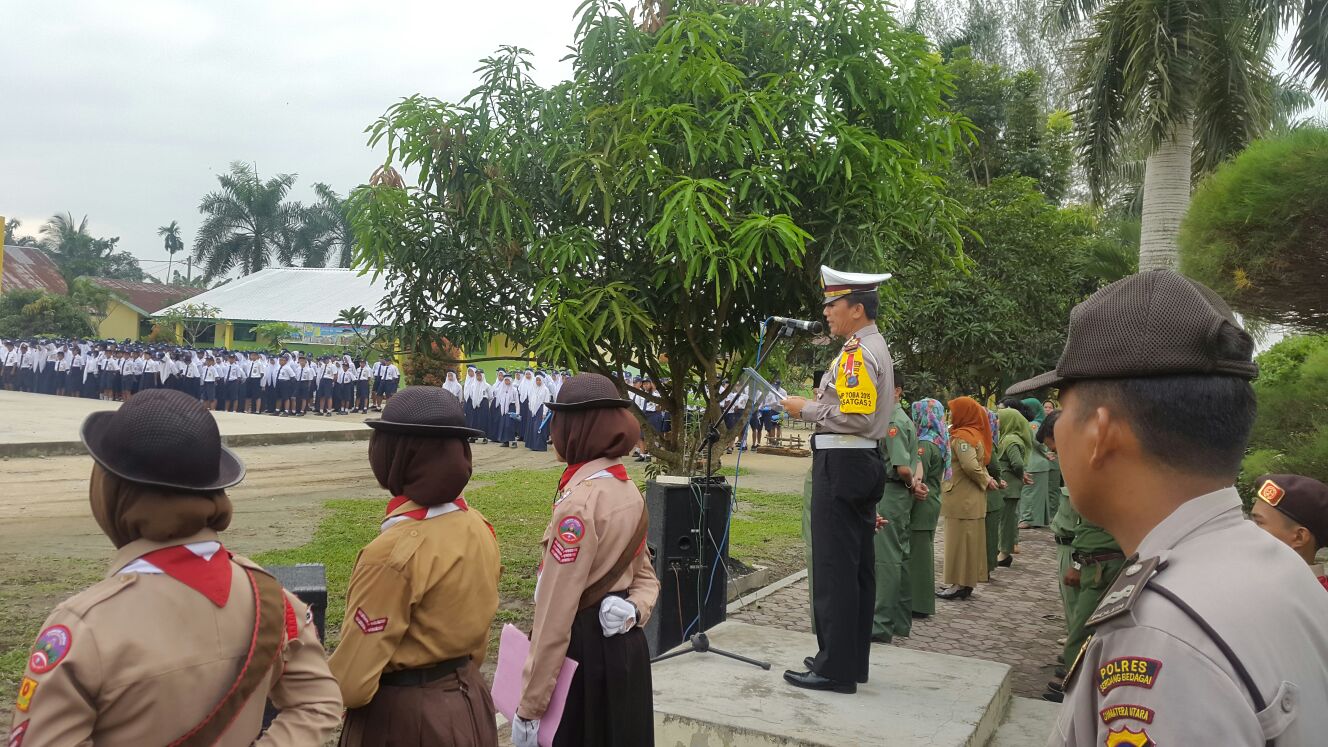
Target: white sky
[126,111]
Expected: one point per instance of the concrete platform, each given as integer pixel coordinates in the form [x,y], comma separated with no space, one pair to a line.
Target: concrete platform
[1029,721]
[33,425]
[913,697]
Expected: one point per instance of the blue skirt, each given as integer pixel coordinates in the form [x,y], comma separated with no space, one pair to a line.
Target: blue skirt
[538,437]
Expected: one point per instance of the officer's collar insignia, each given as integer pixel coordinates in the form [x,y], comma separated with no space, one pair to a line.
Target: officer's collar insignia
[1123,594]
[853,343]
[1271,493]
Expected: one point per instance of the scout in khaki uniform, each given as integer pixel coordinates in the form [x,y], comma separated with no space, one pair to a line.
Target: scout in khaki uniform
[964,499]
[851,414]
[894,606]
[183,642]
[1294,509]
[596,586]
[1213,632]
[424,592]
[933,455]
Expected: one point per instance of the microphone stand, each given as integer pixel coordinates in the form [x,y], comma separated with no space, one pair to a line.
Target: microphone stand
[700,642]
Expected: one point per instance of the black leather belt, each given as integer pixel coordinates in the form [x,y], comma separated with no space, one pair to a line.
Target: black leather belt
[1089,558]
[425,675]
[1063,540]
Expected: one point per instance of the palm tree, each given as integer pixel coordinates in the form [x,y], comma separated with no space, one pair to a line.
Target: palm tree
[11,228]
[68,243]
[1190,80]
[171,234]
[325,233]
[247,223]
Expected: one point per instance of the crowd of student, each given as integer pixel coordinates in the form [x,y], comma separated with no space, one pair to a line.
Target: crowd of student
[291,383]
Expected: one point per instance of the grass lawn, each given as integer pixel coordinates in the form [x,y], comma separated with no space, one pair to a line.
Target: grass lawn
[765,531]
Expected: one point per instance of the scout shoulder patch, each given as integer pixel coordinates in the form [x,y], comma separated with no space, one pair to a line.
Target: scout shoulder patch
[894,431]
[1271,493]
[1123,594]
[367,625]
[1127,737]
[26,690]
[563,553]
[571,530]
[51,648]
[1127,671]
[963,446]
[16,736]
[1132,712]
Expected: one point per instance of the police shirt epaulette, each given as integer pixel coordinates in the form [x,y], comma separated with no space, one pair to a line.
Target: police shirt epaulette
[1123,594]
[80,603]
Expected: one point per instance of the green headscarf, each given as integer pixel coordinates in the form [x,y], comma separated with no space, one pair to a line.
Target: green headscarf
[1014,430]
[1040,414]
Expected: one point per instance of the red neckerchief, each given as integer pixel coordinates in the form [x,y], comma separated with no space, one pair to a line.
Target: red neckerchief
[211,578]
[617,470]
[419,513]
[1324,581]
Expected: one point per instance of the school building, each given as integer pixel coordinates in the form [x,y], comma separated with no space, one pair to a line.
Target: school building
[310,299]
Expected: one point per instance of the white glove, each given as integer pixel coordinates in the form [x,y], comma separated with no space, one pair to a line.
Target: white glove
[616,615]
[525,733]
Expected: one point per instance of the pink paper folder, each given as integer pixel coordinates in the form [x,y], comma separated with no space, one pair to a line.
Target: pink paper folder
[513,648]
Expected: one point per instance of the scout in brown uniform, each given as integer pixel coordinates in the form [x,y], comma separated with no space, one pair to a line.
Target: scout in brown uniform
[424,592]
[183,642]
[596,585]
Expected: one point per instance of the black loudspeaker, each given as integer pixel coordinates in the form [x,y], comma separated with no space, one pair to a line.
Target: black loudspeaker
[676,533]
[308,582]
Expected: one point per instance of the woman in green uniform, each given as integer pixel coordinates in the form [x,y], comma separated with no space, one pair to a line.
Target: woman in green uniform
[934,454]
[1016,440]
[1035,503]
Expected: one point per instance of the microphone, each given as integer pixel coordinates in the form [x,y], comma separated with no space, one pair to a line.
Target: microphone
[815,328]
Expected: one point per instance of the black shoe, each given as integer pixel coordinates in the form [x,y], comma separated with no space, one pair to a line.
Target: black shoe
[955,592]
[814,681]
[1053,697]
[921,615]
[881,638]
[1007,562]
[810,660]
[1060,672]
[1056,687]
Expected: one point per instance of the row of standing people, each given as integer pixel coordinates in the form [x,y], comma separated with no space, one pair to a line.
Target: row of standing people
[201,638]
[291,383]
[511,411]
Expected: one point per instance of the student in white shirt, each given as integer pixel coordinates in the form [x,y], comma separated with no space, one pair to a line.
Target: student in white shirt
[255,372]
[362,374]
[285,376]
[391,377]
[327,387]
[208,383]
[345,387]
[308,379]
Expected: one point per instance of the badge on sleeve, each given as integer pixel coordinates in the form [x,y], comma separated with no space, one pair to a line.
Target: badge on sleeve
[26,690]
[894,431]
[1128,671]
[571,530]
[563,553]
[367,625]
[16,736]
[1127,737]
[1132,712]
[51,648]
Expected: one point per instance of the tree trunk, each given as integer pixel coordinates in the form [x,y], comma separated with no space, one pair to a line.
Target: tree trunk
[1166,197]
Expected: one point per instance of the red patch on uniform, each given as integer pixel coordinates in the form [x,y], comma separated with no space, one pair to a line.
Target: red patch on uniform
[1271,493]
[894,431]
[571,530]
[292,622]
[369,626]
[16,736]
[562,553]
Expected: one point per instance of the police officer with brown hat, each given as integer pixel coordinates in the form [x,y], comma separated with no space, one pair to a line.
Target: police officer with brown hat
[1212,632]
[183,642]
[1294,509]
[424,592]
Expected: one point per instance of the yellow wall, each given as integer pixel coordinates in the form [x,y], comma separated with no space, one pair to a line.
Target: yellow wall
[501,347]
[120,322]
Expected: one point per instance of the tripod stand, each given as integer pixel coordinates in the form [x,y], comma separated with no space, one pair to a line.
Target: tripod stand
[700,642]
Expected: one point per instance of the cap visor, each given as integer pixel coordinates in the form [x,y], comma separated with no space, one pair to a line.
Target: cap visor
[1050,378]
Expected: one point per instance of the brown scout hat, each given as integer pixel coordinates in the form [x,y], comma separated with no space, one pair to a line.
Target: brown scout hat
[424,411]
[587,391]
[1156,323]
[162,437]
[1304,500]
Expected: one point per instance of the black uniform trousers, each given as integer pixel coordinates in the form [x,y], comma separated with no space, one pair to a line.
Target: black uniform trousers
[846,486]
